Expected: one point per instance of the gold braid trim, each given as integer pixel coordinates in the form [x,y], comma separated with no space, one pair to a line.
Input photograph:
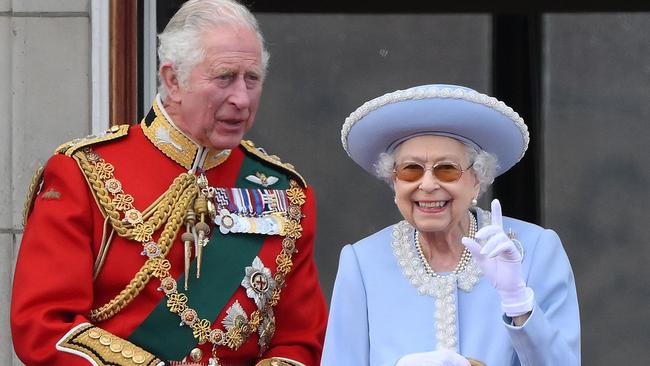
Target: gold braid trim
[274,160]
[112,133]
[153,217]
[175,144]
[151,266]
[104,348]
[32,191]
[169,208]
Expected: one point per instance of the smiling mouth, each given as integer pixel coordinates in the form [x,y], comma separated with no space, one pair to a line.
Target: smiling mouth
[432,204]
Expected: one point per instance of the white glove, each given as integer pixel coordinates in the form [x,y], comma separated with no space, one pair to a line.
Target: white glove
[441,357]
[500,261]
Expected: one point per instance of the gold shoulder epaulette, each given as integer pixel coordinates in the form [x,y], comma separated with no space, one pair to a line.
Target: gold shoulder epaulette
[112,133]
[249,146]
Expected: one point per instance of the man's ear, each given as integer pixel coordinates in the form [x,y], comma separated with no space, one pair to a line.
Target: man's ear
[169,77]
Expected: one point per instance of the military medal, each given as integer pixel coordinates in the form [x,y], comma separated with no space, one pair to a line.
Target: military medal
[234,223]
[251,211]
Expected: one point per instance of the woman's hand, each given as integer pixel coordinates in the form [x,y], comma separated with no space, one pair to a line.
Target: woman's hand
[435,358]
[500,261]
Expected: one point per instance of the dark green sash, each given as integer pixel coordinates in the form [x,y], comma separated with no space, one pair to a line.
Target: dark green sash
[224,260]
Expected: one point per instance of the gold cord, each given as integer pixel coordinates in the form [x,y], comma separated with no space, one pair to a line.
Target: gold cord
[152,265]
[103,249]
[170,209]
[32,191]
[156,214]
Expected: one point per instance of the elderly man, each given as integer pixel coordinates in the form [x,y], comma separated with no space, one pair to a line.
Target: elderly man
[173,241]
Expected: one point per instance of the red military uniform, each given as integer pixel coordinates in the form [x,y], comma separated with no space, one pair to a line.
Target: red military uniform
[100,276]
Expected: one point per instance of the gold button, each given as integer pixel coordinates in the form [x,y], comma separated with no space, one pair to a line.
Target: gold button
[196,354]
[116,347]
[105,340]
[94,334]
[139,358]
[127,352]
[115,128]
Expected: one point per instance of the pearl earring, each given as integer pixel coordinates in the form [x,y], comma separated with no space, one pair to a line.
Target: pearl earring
[474,202]
[395,199]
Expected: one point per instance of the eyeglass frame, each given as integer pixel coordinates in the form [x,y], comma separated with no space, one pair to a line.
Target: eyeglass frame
[432,169]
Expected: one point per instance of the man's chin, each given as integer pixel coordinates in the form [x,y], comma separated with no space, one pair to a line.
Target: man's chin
[222,143]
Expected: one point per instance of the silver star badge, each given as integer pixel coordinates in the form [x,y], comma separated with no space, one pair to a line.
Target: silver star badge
[258,282]
[235,316]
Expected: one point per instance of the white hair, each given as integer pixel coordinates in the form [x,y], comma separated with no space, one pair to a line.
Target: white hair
[180,43]
[484,166]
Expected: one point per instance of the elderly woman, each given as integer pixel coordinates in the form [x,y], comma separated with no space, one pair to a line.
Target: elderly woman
[451,284]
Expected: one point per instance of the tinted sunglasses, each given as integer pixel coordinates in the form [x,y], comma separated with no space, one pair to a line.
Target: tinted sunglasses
[444,171]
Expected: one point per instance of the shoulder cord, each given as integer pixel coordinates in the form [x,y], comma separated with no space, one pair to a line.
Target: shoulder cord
[170,209]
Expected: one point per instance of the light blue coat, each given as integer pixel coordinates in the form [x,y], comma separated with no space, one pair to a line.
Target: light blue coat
[377,316]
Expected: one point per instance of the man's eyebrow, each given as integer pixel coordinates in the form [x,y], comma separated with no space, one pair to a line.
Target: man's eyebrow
[255,71]
[221,69]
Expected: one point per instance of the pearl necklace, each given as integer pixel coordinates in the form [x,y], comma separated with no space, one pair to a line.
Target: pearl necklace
[441,287]
[464,258]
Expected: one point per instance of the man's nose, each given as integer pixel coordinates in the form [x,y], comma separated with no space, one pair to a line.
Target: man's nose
[239,94]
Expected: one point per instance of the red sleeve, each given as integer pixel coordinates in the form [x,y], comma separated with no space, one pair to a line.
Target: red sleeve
[301,313]
[53,285]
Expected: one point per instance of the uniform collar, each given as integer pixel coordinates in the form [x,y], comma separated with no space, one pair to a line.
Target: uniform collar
[171,141]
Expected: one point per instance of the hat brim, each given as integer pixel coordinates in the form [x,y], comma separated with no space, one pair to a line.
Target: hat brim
[461,113]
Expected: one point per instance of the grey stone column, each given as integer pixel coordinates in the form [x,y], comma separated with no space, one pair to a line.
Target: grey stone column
[45,100]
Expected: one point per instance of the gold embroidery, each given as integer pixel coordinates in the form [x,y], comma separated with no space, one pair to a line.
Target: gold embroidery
[175,145]
[105,348]
[115,132]
[201,330]
[159,266]
[177,303]
[297,195]
[142,233]
[51,194]
[274,160]
[292,229]
[123,202]
[215,157]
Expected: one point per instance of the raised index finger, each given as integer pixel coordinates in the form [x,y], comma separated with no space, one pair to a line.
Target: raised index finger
[497,219]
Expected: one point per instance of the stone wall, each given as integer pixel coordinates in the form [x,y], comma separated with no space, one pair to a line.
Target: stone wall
[45,100]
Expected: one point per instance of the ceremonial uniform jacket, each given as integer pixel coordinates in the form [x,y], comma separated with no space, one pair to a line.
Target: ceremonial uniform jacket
[385,305]
[100,277]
